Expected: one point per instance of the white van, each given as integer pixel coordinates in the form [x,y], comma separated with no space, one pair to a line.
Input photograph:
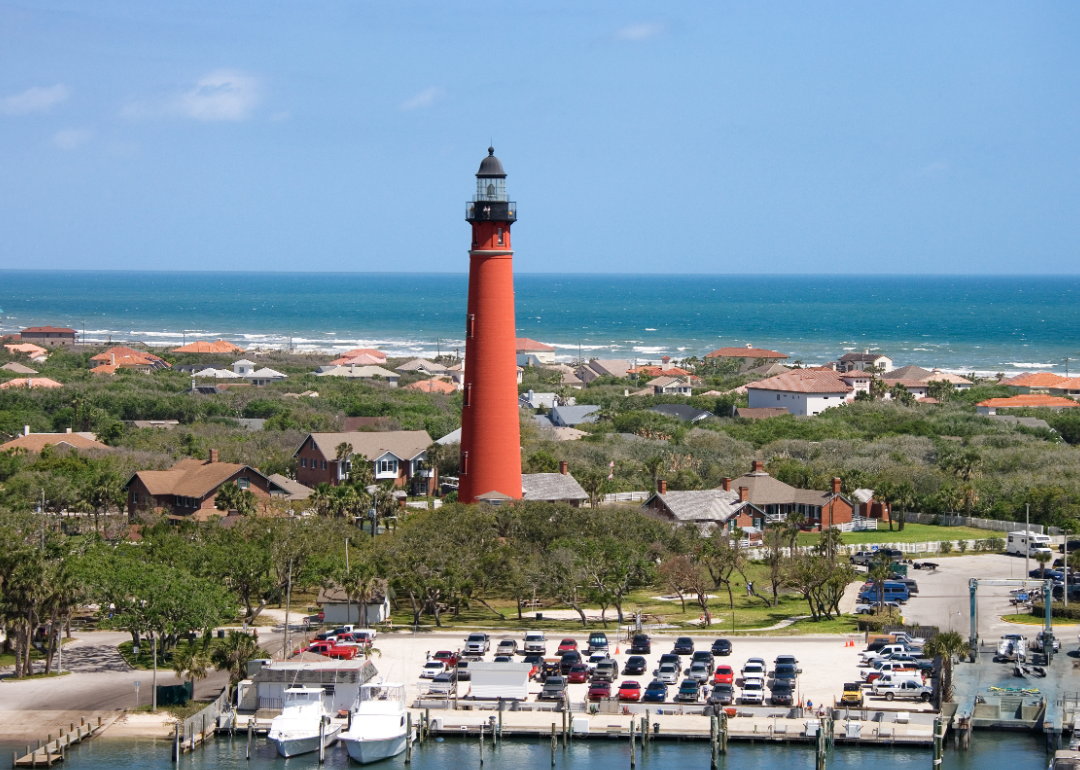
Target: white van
[1027,543]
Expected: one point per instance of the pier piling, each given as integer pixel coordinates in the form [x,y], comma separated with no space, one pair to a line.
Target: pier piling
[251,727]
[554,743]
[481,744]
[939,738]
[322,741]
[633,748]
[408,737]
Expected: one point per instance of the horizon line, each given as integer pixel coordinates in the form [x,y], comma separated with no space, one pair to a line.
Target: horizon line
[531,272]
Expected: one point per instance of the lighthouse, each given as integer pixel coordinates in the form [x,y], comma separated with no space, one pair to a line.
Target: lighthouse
[490,431]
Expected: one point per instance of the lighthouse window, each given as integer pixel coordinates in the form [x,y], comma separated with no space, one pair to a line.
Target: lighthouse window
[467,395]
[470,324]
[500,237]
[464,463]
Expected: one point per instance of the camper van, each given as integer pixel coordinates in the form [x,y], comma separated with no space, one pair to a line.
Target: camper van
[1027,543]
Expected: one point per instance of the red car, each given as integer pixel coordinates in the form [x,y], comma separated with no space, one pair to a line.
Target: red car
[630,690]
[567,644]
[724,675]
[333,651]
[448,657]
[578,674]
[598,690]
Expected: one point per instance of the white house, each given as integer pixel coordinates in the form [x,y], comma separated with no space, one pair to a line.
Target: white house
[861,361]
[670,386]
[353,372]
[243,367]
[804,392]
[337,608]
[264,376]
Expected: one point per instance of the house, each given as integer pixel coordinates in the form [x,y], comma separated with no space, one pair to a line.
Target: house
[659,371]
[558,487]
[16,368]
[807,392]
[779,500]
[258,377]
[435,385]
[126,358]
[293,490]
[1025,401]
[368,357]
[683,412]
[421,366]
[339,679]
[354,372]
[705,509]
[544,353]
[188,489]
[30,382]
[337,607]
[34,352]
[453,437]
[762,413]
[909,372]
[958,382]
[533,400]
[396,455]
[221,346]
[1027,422]
[35,442]
[218,374]
[567,376]
[569,416]
[769,370]
[50,336]
[861,361]
[670,386]
[1045,383]
[603,367]
[748,356]
[863,505]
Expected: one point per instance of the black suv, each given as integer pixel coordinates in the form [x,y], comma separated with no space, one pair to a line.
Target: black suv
[570,659]
[640,645]
[721,647]
[780,694]
[635,666]
[684,645]
[706,657]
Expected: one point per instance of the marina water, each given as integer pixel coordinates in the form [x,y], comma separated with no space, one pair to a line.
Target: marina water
[989,751]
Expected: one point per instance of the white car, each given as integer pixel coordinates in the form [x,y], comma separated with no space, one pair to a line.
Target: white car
[870,609]
[432,669]
[753,691]
[753,671]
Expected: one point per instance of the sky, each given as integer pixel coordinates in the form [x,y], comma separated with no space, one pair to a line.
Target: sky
[712,137]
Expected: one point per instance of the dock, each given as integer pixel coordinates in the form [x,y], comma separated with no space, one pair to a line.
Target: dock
[49,752]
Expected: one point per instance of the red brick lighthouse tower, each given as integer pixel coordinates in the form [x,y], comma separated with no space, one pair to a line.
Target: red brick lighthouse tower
[490,432]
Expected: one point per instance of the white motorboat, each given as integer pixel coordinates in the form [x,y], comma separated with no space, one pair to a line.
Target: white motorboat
[302,721]
[378,729]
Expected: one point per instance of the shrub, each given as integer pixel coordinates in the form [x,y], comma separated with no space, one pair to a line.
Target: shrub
[997,544]
[1057,610]
[962,545]
[945,546]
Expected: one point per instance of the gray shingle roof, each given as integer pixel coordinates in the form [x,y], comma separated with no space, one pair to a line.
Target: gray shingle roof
[569,416]
[403,444]
[714,505]
[551,486]
[765,490]
[909,372]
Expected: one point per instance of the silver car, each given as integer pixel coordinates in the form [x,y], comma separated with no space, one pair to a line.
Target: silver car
[699,672]
[667,673]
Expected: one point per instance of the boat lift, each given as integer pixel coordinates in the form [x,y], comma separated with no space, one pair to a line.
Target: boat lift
[973,587]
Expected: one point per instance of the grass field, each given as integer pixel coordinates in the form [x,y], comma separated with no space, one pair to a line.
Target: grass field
[913,533]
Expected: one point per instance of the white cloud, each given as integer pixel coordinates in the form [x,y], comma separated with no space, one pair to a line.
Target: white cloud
[224,95]
[71,138]
[636,33]
[425,98]
[34,99]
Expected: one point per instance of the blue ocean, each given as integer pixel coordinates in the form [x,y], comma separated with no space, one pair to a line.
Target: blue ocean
[984,323]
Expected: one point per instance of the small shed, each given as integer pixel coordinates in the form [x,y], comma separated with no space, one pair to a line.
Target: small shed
[491,681]
[337,608]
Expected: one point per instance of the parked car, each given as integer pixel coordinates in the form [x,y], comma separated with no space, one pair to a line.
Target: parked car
[503,659]
[704,656]
[1072,545]
[595,660]
[630,690]
[787,660]
[641,645]
[578,674]
[635,666]
[723,675]
[785,672]
[667,673]
[721,647]
[443,684]
[535,643]
[699,672]
[551,667]
[432,669]
[507,647]
[599,690]
[753,671]
[462,670]
[684,645]
[598,642]
[1050,574]
[335,651]
[566,645]
[753,691]
[689,692]
[853,695]
[656,692]
[606,670]
[907,689]
[672,658]
[536,662]
[862,558]
[722,695]
[781,694]
[554,689]
[477,643]
[888,667]
[871,609]
[569,660]
[448,657]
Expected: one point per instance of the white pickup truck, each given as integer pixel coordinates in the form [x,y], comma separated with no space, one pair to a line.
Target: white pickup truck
[904,688]
[535,643]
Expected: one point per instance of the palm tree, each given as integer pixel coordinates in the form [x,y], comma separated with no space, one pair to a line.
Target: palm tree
[191,663]
[1042,557]
[437,454]
[880,571]
[947,644]
[233,655]
[655,466]
[322,498]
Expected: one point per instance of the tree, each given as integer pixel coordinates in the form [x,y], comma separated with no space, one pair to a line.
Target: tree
[1042,557]
[677,574]
[880,571]
[721,556]
[773,539]
[191,663]
[655,467]
[594,482]
[902,395]
[947,645]
[437,454]
[233,655]
[230,497]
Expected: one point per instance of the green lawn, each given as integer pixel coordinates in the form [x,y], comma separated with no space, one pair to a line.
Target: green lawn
[913,533]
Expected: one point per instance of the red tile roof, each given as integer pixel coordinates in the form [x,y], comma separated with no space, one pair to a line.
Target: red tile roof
[47,330]
[123,351]
[1029,400]
[221,346]
[30,382]
[363,359]
[432,386]
[35,442]
[744,353]
[1034,380]
[804,381]
[525,345]
[377,354]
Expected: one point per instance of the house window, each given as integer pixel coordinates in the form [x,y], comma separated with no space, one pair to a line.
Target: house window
[303,462]
[324,465]
[313,447]
[243,483]
[387,466]
[777,396]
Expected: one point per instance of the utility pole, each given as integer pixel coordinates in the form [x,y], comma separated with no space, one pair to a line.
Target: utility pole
[1027,539]
[288,601]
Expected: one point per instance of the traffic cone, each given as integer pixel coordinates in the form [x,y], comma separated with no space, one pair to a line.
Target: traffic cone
[616,648]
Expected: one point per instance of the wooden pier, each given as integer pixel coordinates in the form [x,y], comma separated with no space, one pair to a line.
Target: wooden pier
[50,751]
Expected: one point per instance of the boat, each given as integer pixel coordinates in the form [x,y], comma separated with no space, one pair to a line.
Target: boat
[378,726]
[302,721]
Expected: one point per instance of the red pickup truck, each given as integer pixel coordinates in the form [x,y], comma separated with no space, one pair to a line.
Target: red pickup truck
[333,651]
